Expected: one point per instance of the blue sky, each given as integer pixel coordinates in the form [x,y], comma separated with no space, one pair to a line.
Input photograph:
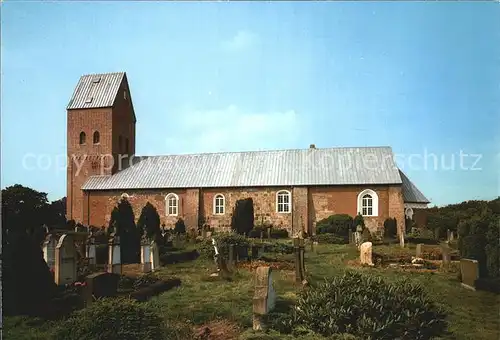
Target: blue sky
[205,77]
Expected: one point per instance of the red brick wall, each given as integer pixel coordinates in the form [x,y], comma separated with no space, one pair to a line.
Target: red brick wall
[88,121]
[309,205]
[95,159]
[326,201]
[396,207]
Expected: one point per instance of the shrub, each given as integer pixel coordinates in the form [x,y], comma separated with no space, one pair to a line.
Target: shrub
[473,247]
[358,220]
[279,247]
[409,225]
[242,220]
[366,235]
[367,307]
[112,319]
[424,235]
[180,227]
[223,240]
[492,250]
[390,228]
[330,239]
[149,221]
[339,224]
[278,233]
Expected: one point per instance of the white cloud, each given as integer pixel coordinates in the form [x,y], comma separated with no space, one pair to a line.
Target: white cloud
[242,40]
[232,129]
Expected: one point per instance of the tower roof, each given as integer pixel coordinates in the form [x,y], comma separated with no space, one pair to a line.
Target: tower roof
[96,90]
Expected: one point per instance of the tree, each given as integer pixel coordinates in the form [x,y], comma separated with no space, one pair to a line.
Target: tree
[122,223]
[243,216]
[149,221]
[24,211]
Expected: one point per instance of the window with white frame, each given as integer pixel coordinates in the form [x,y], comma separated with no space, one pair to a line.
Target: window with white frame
[283,201]
[368,203]
[219,204]
[172,204]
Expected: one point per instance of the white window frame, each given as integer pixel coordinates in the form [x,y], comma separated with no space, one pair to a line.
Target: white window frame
[374,198]
[284,193]
[168,206]
[221,206]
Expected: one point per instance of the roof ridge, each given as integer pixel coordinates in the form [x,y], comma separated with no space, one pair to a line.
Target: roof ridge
[270,150]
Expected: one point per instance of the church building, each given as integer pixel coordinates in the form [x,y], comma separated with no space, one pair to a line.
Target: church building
[291,189]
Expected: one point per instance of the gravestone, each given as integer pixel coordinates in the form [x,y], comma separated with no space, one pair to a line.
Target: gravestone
[216,257]
[99,285]
[470,273]
[419,250]
[231,256]
[91,251]
[65,261]
[264,299]
[445,250]
[155,256]
[299,275]
[302,258]
[114,255]
[49,250]
[365,254]
[358,235]
[145,254]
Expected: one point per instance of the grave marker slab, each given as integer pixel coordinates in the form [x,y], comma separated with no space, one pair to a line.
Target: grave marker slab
[264,299]
[65,261]
[114,255]
[155,256]
[365,254]
[470,273]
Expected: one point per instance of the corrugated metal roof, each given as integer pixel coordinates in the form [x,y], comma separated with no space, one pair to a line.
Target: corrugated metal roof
[411,194]
[332,166]
[96,90]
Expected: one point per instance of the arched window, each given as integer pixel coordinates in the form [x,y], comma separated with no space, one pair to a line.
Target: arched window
[283,201]
[172,204]
[219,204]
[83,138]
[96,137]
[368,203]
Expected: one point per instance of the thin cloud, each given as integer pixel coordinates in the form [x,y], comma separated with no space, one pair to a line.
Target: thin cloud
[242,40]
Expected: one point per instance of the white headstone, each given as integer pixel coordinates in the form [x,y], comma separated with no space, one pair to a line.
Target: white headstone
[65,260]
[146,257]
[264,299]
[114,256]
[366,253]
[49,250]
[155,256]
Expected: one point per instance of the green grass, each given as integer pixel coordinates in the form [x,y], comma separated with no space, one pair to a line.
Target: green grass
[201,299]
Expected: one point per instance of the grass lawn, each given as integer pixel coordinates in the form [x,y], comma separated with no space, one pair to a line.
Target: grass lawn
[226,306]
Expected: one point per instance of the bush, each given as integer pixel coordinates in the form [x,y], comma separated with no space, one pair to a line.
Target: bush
[113,319]
[366,235]
[390,228]
[339,225]
[180,227]
[223,240]
[424,235]
[242,220]
[473,247]
[488,284]
[149,221]
[367,307]
[358,220]
[330,239]
[279,247]
[279,233]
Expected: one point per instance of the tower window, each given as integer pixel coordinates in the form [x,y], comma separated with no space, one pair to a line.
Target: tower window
[96,137]
[83,138]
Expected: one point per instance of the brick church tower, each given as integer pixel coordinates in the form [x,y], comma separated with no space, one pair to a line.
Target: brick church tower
[101,132]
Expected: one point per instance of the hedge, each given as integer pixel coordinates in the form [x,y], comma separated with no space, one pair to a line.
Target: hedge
[339,225]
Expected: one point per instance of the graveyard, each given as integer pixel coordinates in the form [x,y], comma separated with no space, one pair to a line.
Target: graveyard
[185,283]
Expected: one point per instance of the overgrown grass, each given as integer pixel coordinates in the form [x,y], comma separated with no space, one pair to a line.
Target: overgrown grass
[202,299]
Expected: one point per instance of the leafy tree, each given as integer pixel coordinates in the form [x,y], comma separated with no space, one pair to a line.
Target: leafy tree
[180,227]
[242,220]
[24,211]
[390,227]
[358,220]
[122,223]
[149,221]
